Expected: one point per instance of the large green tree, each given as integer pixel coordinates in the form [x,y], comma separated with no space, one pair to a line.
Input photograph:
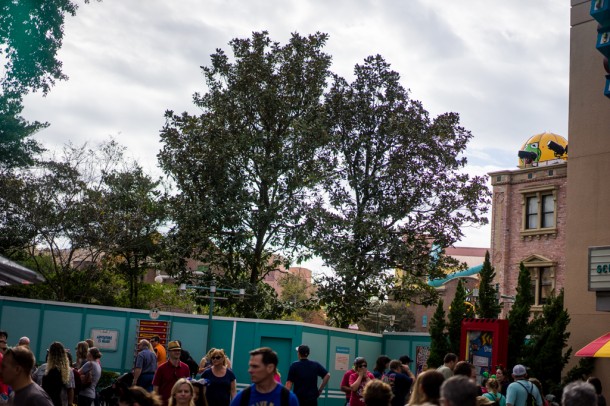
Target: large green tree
[458,310]
[31,34]
[396,185]
[439,343]
[519,316]
[131,212]
[70,212]
[245,166]
[488,305]
[544,351]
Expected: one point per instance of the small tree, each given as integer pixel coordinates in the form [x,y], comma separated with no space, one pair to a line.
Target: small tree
[458,310]
[518,317]
[439,345]
[488,306]
[544,352]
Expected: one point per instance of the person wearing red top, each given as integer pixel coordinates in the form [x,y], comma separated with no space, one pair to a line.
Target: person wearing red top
[168,373]
[357,382]
[345,381]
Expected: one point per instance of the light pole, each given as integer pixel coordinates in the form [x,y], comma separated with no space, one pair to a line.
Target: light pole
[212,289]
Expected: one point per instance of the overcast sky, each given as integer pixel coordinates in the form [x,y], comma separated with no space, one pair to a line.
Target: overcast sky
[503,66]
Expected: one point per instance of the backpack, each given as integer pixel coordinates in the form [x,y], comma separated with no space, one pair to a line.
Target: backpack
[284,397]
[531,400]
[494,399]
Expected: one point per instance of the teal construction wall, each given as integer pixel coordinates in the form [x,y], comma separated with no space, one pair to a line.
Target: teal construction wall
[44,322]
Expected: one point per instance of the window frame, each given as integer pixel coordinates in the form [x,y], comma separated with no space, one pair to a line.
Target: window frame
[535,268]
[538,193]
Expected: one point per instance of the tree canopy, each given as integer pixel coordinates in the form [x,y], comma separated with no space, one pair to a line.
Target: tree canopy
[31,34]
[488,306]
[395,187]
[244,169]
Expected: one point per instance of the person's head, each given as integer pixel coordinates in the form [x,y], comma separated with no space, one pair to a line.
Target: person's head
[94,353]
[3,339]
[57,358]
[182,393]
[82,348]
[218,357]
[361,364]
[145,345]
[597,384]
[519,372]
[405,360]
[199,393]
[466,369]
[395,365]
[357,361]
[427,387]
[90,343]
[492,385]
[17,365]
[303,351]
[262,365]
[382,363]
[459,391]
[377,393]
[173,349]
[24,341]
[579,393]
[137,396]
[155,340]
[450,360]
[501,374]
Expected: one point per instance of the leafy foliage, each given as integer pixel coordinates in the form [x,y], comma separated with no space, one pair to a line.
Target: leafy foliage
[297,294]
[544,351]
[488,305]
[518,317]
[439,345]
[388,316]
[244,168]
[31,34]
[396,185]
[457,312]
[68,212]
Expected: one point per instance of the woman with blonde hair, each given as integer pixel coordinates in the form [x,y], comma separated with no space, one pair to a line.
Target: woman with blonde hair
[81,354]
[494,392]
[221,387]
[427,389]
[183,393]
[58,379]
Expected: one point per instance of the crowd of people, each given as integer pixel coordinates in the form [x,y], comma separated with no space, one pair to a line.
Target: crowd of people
[171,377]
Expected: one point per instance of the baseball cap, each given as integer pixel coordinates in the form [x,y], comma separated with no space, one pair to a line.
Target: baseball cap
[303,349]
[173,345]
[519,370]
[405,359]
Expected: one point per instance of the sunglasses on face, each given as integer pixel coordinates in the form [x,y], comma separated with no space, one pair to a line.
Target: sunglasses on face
[363,366]
[216,357]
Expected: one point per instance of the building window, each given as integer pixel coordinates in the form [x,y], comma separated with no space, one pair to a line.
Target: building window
[539,211]
[542,284]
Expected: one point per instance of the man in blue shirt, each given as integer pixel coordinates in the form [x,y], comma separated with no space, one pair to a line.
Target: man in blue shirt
[145,366]
[303,375]
[516,394]
[264,389]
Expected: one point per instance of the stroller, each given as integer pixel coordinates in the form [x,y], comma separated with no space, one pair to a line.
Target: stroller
[110,395]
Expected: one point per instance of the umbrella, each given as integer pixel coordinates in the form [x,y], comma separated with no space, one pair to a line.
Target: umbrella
[11,273]
[600,347]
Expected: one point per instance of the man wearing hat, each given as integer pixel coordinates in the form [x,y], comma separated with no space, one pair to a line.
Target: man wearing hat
[303,375]
[169,372]
[516,394]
